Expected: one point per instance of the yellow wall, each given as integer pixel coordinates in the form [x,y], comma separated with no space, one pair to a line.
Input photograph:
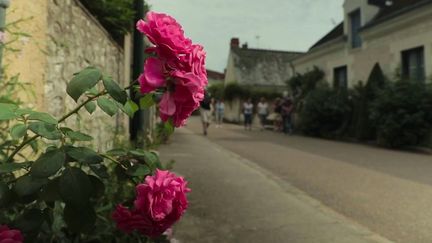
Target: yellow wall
[29,61]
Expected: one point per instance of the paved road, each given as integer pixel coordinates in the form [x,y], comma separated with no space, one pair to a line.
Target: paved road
[235,201]
[389,192]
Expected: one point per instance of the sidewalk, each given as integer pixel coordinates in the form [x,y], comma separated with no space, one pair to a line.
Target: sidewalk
[234,201]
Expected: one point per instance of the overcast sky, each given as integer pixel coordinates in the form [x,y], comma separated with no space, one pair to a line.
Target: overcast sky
[292,25]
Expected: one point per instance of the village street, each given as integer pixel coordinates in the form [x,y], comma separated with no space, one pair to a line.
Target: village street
[298,189]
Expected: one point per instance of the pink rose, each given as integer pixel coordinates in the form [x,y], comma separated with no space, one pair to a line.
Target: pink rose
[178,68]
[164,32]
[160,202]
[9,235]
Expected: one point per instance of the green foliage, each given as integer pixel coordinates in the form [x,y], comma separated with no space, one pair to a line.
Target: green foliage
[402,114]
[216,90]
[325,112]
[116,16]
[234,90]
[69,191]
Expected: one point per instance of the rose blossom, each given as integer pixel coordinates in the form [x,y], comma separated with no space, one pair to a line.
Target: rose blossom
[179,68]
[160,202]
[10,235]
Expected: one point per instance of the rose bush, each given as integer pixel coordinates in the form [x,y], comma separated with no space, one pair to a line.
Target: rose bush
[65,191]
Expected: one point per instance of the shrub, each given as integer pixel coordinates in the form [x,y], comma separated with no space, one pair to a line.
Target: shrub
[363,96]
[234,90]
[402,114]
[325,113]
[216,90]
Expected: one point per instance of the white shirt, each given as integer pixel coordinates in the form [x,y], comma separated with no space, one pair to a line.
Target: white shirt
[262,108]
[248,108]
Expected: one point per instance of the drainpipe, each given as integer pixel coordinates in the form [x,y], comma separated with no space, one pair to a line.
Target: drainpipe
[136,123]
[4,4]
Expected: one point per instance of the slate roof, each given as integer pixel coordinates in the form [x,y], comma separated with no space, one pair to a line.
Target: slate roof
[398,7]
[262,67]
[215,75]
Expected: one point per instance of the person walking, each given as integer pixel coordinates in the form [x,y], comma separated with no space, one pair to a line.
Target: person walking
[263,112]
[286,111]
[220,109]
[248,112]
[206,113]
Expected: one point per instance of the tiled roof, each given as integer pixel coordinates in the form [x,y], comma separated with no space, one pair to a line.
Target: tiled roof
[335,33]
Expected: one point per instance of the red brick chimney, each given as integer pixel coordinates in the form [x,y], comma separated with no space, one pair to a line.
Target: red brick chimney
[235,42]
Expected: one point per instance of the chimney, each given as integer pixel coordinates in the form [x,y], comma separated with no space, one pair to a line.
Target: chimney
[235,43]
[245,45]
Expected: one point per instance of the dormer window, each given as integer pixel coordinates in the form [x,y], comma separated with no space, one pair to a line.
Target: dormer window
[355,19]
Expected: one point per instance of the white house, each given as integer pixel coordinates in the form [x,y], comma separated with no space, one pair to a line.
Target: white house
[397,34]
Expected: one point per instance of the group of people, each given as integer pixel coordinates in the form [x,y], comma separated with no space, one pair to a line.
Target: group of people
[212,109]
[280,113]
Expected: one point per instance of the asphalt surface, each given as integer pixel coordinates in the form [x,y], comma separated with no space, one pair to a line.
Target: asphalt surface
[388,192]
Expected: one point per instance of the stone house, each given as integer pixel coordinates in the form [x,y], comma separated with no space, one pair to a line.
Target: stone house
[260,69]
[65,38]
[397,34]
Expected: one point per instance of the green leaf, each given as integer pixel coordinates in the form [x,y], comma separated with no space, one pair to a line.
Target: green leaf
[45,130]
[169,127]
[83,81]
[50,192]
[100,170]
[48,164]
[90,107]
[78,136]
[23,111]
[138,170]
[75,187]
[107,105]
[147,101]
[116,152]
[43,117]
[97,186]
[5,194]
[114,90]
[18,131]
[151,159]
[84,155]
[34,146]
[130,108]
[30,221]
[7,111]
[27,185]
[79,219]
[11,167]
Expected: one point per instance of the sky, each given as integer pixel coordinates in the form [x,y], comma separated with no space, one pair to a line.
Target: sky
[291,25]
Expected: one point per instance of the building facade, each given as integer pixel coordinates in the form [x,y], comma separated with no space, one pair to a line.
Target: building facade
[396,34]
[63,38]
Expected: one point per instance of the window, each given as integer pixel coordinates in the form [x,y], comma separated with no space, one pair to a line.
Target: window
[340,77]
[413,67]
[355,19]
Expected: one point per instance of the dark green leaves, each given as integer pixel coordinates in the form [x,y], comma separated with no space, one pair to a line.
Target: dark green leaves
[45,130]
[7,111]
[108,106]
[11,167]
[5,194]
[83,81]
[84,155]
[147,101]
[138,170]
[130,108]
[79,219]
[30,220]
[27,185]
[75,187]
[90,107]
[48,164]
[114,90]
[18,131]
[78,136]
[43,117]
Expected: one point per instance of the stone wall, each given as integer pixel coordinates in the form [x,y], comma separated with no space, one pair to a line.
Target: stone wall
[75,41]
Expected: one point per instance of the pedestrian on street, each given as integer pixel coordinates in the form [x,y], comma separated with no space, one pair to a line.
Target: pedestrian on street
[286,112]
[263,112]
[206,113]
[220,109]
[248,113]
[277,118]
